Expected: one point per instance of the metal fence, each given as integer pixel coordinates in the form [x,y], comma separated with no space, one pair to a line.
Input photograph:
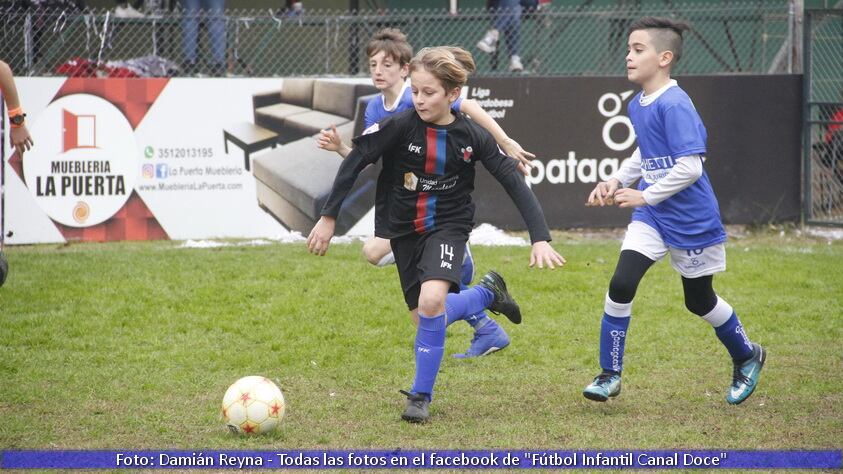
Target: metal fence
[726,37]
[823,116]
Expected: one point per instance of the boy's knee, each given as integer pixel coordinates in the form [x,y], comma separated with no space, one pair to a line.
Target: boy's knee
[431,304]
[700,297]
[622,289]
[375,251]
[700,304]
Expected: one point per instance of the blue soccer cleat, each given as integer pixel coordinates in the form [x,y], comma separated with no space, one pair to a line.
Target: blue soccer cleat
[490,338]
[745,376]
[605,385]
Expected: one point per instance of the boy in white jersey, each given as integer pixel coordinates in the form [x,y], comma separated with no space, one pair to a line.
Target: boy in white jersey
[675,213]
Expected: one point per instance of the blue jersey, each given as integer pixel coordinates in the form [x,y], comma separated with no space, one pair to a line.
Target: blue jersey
[666,129]
[376,109]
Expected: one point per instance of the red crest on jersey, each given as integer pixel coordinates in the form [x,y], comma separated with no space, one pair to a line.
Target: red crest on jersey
[466,153]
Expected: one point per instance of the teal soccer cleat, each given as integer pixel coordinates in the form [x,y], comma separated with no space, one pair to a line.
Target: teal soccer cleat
[605,385]
[745,376]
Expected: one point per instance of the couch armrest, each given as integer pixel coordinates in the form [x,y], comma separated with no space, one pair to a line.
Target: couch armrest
[262,99]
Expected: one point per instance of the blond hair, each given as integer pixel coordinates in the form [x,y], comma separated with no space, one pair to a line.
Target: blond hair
[451,65]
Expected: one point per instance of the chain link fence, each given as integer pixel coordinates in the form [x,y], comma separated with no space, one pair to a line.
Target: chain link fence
[726,37]
[823,116]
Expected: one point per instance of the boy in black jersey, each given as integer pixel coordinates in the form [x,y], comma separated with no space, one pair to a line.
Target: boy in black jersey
[429,155]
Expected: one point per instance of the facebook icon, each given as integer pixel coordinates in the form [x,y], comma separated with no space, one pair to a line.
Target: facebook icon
[161,170]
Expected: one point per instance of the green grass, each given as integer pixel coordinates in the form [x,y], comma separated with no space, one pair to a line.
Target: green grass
[132,345]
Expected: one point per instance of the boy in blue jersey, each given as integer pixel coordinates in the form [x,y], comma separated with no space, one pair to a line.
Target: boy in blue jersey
[675,213]
[389,59]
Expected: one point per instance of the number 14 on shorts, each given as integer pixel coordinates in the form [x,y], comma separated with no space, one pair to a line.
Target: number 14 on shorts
[446,250]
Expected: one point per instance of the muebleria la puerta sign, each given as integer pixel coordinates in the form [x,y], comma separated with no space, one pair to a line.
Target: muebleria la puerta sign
[84,167]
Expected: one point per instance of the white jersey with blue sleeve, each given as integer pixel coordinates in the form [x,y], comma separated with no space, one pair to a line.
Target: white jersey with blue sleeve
[668,127]
[377,109]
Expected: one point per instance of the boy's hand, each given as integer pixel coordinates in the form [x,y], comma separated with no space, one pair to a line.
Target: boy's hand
[20,139]
[320,236]
[604,193]
[543,253]
[513,149]
[329,139]
[630,198]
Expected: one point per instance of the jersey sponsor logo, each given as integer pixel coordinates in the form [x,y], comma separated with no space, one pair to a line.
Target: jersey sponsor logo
[657,163]
[420,183]
[617,337]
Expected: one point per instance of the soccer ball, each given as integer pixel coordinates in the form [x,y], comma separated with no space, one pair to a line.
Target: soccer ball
[252,405]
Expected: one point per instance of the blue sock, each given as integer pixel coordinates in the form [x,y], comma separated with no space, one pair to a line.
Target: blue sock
[430,347]
[612,340]
[732,335]
[478,320]
[467,303]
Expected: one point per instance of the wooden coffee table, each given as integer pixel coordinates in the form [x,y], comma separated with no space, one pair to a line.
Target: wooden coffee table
[249,137]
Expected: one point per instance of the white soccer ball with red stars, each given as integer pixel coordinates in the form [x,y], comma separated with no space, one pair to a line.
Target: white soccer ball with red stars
[253,405]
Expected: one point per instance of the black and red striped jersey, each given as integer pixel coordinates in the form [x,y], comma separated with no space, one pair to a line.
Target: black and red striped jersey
[428,175]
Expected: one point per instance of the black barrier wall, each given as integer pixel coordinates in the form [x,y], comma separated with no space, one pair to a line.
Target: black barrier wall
[579,130]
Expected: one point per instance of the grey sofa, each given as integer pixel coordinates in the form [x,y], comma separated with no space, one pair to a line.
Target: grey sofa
[303,107]
[294,180]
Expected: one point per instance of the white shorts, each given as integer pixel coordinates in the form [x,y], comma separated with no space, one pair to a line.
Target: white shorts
[645,240]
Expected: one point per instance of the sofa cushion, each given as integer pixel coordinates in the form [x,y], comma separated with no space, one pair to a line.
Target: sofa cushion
[310,123]
[300,172]
[272,116]
[297,91]
[337,98]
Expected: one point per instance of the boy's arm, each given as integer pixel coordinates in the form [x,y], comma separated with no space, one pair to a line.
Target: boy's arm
[509,146]
[630,170]
[504,170]
[330,140]
[604,193]
[18,135]
[321,234]
[7,84]
[685,172]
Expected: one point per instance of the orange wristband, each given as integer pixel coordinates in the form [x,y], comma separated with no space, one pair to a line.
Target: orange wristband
[16,112]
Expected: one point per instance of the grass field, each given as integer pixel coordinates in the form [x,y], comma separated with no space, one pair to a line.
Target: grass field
[132,345]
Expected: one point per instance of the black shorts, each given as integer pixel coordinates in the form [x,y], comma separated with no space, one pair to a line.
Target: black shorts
[434,255]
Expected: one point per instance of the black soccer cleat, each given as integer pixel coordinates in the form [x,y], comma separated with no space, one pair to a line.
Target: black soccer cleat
[417,409]
[503,303]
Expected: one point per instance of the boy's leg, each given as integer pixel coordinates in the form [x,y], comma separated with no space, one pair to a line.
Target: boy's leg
[488,336]
[430,344]
[642,246]
[617,311]
[378,252]
[747,358]
[428,267]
